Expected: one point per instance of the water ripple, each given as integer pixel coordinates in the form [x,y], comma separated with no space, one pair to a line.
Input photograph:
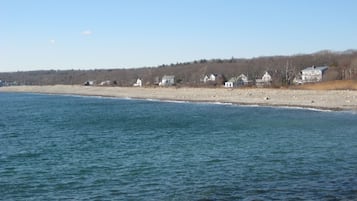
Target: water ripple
[78,148]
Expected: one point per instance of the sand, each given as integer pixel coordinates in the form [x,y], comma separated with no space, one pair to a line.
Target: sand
[321,99]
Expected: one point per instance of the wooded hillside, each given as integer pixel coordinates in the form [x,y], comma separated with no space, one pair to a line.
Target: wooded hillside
[342,65]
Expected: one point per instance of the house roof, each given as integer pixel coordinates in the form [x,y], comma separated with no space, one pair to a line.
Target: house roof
[321,68]
[240,77]
[233,79]
[168,77]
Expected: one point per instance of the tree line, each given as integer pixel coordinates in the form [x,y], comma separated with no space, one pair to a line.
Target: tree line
[342,65]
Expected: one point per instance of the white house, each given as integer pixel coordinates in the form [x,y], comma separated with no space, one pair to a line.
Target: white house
[1,84]
[266,77]
[265,81]
[138,83]
[167,80]
[105,83]
[89,83]
[313,74]
[208,78]
[229,84]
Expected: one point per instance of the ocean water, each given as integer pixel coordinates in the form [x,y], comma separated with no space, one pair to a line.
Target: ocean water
[90,148]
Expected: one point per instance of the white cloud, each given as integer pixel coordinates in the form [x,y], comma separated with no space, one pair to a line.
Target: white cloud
[52,41]
[87,32]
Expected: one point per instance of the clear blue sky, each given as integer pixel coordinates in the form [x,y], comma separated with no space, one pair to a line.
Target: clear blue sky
[89,34]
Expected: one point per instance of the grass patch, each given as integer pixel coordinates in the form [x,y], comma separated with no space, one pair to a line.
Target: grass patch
[330,85]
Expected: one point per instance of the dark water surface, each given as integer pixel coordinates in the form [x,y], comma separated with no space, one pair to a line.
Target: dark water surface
[87,148]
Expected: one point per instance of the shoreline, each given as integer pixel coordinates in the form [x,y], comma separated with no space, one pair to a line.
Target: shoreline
[336,100]
[293,107]
[197,102]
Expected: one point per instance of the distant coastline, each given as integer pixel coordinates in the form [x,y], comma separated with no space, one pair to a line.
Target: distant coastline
[319,99]
[274,71]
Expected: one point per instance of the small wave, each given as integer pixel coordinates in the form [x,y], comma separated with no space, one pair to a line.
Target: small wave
[164,100]
[153,100]
[283,107]
[353,112]
[222,103]
[303,108]
[96,97]
[175,101]
[23,154]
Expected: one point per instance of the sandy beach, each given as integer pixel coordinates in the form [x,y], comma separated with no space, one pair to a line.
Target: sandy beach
[321,99]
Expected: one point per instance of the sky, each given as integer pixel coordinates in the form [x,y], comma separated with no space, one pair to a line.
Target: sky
[103,34]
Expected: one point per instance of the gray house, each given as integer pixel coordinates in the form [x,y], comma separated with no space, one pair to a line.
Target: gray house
[313,74]
[241,80]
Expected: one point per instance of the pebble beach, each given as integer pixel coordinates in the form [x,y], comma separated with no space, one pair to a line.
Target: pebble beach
[320,99]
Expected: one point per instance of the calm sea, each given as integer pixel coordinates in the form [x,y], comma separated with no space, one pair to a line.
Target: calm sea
[91,148]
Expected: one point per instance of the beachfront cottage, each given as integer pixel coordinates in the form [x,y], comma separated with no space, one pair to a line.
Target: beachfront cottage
[105,83]
[241,80]
[265,81]
[1,83]
[229,84]
[167,80]
[313,74]
[214,79]
[210,78]
[89,83]
[138,83]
